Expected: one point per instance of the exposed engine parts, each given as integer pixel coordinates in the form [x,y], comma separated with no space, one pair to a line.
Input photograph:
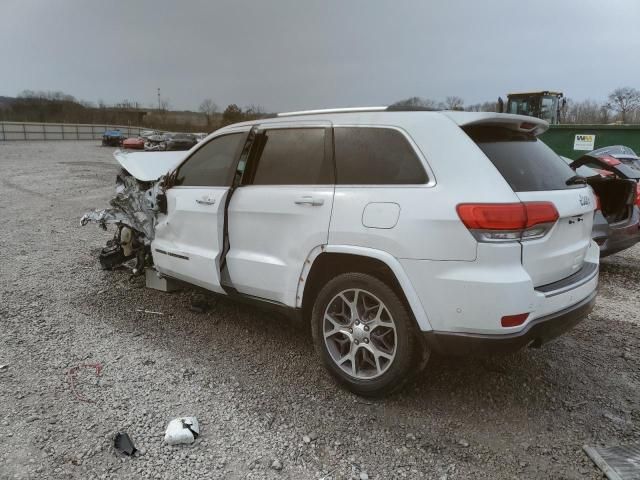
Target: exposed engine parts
[133,210]
[123,247]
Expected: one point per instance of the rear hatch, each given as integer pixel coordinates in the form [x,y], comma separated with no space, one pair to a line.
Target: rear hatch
[537,174]
[617,190]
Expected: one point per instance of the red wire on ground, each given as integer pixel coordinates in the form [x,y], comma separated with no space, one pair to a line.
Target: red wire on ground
[72,373]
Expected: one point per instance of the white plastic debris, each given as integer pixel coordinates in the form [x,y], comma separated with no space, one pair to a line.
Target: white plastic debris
[182,430]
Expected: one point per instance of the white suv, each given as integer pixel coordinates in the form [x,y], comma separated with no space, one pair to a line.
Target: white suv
[394,233]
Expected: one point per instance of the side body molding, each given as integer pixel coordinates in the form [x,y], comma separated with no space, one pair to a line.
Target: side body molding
[389,260]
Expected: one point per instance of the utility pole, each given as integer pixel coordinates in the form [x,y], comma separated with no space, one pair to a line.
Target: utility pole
[159,105]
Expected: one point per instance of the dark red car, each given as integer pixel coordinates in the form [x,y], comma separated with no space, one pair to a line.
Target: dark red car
[134,143]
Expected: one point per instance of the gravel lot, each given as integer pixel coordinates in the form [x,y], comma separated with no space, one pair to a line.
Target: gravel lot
[251,378]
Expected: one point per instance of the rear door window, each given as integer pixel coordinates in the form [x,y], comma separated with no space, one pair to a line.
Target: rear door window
[292,156]
[376,156]
[525,162]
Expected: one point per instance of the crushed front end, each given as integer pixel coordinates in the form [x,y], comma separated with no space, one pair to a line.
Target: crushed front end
[133,211]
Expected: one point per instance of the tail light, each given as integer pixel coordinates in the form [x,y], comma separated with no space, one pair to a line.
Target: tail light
[638,194]
[513,320]
[508,222]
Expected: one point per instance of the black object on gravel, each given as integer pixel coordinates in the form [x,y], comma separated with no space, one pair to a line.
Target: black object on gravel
[123,444]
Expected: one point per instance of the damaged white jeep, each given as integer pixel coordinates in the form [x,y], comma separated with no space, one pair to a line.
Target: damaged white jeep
[394,233]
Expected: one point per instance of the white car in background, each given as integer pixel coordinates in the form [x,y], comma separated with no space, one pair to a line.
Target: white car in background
[394,233]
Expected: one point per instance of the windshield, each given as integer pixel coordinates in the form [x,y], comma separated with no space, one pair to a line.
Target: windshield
[549,108]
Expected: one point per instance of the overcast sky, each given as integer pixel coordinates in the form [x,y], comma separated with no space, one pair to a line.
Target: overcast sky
[298,54]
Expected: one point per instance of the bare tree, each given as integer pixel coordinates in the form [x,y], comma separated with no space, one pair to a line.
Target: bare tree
[453,103]
[164,105]
[418,102]
[604,114]
[127,104]
[253,112]
[482,107]
[585,111]
[624,100]
[208,107]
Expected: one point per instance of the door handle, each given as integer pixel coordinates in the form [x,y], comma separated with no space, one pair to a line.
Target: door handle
[313,201]
[206,201]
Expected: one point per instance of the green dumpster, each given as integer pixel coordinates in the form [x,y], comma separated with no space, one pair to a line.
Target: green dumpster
[574,141]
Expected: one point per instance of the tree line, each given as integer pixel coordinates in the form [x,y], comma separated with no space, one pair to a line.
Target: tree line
[56,106]
[232,114]
[622,106]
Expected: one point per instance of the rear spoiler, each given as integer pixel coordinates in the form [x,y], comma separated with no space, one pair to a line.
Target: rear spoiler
[518,123]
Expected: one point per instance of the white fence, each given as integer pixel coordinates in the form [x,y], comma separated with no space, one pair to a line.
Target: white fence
[60,131]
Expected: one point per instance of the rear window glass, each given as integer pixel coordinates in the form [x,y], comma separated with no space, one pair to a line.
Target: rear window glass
[525,162]
[375,156]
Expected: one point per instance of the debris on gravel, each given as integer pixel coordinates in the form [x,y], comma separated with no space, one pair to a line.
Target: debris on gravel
[251,378]
[201,303]
[182,430]
[123,444]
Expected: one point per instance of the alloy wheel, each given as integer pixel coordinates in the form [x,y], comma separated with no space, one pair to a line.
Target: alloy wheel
[359,333]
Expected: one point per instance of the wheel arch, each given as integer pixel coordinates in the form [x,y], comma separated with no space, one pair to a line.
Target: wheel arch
[327,261]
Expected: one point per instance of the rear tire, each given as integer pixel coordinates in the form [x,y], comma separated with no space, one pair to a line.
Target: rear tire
[365,335]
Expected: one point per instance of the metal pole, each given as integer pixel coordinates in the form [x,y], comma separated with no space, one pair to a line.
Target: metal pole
[24,130]
[44,131]
[77,133]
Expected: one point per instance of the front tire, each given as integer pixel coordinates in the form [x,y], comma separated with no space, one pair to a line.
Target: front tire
[365,336]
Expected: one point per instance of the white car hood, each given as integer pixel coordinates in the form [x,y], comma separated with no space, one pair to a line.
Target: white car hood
[149,166]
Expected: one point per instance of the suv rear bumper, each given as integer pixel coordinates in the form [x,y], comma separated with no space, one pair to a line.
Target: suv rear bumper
[537,332]
[473,297]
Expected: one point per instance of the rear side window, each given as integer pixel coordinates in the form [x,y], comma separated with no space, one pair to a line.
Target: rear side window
[525,162]
[292,156]
[375,156]
[212,165]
